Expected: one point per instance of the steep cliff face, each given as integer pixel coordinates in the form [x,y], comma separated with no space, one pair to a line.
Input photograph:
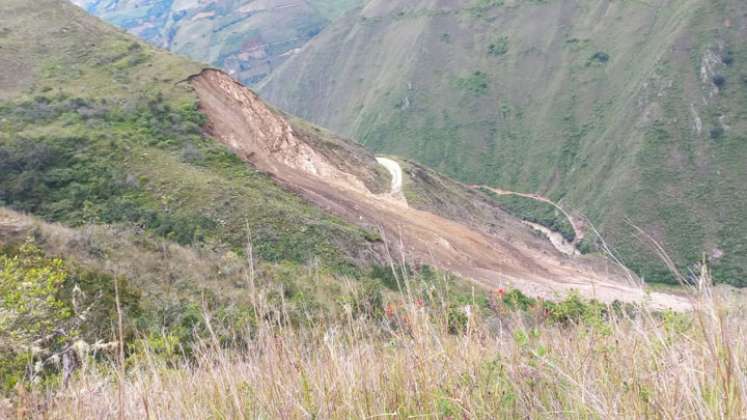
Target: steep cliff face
[626,112]
[248,38]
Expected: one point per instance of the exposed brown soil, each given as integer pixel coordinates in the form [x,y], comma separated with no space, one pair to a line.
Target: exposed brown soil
[269,141]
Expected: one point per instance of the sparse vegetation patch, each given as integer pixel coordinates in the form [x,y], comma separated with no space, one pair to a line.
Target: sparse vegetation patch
[476,83]
[499,46]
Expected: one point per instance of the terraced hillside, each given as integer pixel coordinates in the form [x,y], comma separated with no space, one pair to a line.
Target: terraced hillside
[631,113]
[248,38]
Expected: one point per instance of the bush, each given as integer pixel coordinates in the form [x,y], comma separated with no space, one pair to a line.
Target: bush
[719,80]
[30,310]
[486,4]
[728,57]
[457,319]
[515,299]
[50,311]
[587,246]
[716,133]
[601,57]
[385,275]
[499,47]
[573,309]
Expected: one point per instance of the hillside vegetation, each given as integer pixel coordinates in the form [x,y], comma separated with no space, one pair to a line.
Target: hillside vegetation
[105,130]
[148,271]
[108,179]
[248,38]
[100,134]
[631,113]
[58,295]
[504,356]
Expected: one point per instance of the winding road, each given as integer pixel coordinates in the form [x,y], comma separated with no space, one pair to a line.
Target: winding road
[577,225]
[396,171]
[557,240]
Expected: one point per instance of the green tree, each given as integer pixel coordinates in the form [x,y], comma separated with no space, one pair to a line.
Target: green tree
[31,314]
[40,332]
[29,307]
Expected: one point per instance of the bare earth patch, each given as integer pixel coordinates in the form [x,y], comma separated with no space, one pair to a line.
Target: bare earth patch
[264,138]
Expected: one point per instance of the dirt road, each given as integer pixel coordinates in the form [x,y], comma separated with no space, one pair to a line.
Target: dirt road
[556,238]
[576,224]
[396,172]
[504,256]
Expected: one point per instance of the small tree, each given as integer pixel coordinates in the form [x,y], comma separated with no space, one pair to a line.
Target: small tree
[601,57]
[29,308]
[38,330]
[498,47]
[719,80]
[716,133]
[728,57]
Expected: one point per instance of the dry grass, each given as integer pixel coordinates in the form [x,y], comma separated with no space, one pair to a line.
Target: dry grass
[506,364]
[408,364]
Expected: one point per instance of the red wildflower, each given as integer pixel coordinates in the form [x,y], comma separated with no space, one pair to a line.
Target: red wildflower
[389,310]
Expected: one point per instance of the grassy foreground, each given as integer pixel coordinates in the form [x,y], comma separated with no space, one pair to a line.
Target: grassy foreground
[422,358]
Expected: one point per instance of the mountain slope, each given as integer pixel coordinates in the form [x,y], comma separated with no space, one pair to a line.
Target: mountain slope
[248,38]
[104,164]
[627,112]
[97,128]
[103,133]
[502,253]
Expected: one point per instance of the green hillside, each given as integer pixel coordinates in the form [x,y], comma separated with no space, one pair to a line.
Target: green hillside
[107,180]
[99,129]
[631,113]
[149,271]
[249,38]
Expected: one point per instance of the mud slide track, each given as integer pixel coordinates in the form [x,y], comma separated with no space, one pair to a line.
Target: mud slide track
[507,257]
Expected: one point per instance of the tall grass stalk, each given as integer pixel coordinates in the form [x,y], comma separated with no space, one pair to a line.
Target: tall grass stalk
[410,363]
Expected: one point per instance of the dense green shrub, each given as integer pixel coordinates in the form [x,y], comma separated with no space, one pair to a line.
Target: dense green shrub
[30,310]
[514,299]
[48,307]
[600,57]
[71,179]
[728,57]
[498,47]
[719,80]
[457,319]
